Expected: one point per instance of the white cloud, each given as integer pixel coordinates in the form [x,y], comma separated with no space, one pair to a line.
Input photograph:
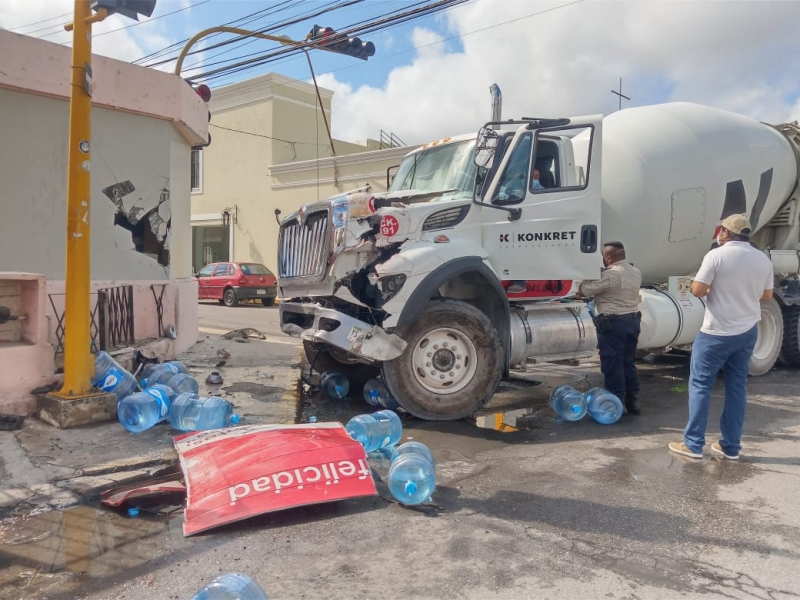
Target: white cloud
[127,44]
[742,56]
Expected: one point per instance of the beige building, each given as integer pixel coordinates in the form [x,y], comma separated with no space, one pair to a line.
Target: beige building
[270,151]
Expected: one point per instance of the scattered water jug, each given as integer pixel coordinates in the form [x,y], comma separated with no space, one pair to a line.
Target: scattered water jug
[231,586]
[376,394]
[568,403]
[109,376]
[151,369]
[190,412]
[375,431]
[334,385]
[179,382]
[603,406]
[412,473]
[142,410]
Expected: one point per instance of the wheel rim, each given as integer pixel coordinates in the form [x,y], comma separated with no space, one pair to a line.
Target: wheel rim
[229,296]
[444,361]
[767,334]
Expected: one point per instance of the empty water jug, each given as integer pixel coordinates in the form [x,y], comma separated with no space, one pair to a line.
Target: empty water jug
[109,376]
[150,370]
[179,382]
[334,385]
[603,406]
[376,394]
[378,430]
[568,403]
[412,474]
[142,410]
[190,412]
[231,586]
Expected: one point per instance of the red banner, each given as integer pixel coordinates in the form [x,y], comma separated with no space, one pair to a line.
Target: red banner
[238,472]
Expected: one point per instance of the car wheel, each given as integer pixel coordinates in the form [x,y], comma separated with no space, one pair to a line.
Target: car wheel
[268,301]
[229,297]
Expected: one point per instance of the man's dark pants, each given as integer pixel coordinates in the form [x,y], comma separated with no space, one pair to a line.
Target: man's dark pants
[617,346]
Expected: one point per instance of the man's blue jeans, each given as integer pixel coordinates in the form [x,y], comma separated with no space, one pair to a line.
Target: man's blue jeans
[710,353]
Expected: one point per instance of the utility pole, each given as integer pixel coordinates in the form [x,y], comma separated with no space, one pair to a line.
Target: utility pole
[620,94]
[78,364]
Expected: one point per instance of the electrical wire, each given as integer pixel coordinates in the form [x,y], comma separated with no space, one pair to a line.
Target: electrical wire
[426,9]
[40,22]
[195,5]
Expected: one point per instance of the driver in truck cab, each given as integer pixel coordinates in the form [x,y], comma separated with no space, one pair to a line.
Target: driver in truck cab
[616,300]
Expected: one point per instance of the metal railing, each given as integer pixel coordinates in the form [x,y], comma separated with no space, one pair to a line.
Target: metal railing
[112,320]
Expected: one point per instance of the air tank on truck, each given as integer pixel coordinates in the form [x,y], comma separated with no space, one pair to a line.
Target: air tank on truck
[415,282]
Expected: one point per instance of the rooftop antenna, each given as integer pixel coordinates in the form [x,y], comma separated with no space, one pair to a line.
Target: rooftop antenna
[620,94]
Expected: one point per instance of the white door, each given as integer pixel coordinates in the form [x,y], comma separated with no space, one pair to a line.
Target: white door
[557,235]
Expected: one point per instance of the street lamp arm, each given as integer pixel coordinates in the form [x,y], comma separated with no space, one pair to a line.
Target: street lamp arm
[222,29]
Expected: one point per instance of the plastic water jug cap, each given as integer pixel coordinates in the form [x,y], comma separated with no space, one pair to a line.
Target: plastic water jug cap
[575,408]
[133,512]
[235,419]
[411,488]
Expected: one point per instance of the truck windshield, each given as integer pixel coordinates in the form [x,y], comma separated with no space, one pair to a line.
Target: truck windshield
[446,167]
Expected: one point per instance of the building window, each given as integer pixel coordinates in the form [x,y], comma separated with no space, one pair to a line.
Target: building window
[197,171]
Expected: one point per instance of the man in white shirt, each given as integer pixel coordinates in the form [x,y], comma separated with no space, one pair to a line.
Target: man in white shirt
[735,277]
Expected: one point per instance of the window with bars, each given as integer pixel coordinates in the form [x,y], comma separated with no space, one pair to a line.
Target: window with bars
[197,171]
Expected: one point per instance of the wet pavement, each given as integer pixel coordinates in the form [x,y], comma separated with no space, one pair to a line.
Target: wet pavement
[529,508]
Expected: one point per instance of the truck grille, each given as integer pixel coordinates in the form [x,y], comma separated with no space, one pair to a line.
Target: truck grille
[303,247]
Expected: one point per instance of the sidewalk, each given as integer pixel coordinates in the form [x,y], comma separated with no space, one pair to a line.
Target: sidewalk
[42,467]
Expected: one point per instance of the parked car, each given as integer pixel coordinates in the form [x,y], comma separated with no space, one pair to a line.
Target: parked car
[230,282]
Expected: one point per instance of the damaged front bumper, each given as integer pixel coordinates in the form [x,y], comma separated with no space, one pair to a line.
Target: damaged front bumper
[315,323]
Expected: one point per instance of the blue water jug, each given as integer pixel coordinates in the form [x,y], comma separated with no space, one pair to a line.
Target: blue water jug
[378,430]
[109,376]
[150,370]
[190,412]
[412,473]
[603,406]
[142,410]
[376,394]
[231,586]
[334,385]
[568,403]
[183,384]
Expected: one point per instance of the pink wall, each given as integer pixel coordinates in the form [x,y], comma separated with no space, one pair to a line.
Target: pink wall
[35,66]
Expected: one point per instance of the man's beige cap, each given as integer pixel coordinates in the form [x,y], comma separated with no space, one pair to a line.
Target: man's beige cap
[738,224]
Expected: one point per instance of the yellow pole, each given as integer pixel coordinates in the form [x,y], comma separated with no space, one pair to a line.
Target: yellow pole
[78,365]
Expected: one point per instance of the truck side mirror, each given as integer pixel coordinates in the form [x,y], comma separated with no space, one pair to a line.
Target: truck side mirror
[485,147]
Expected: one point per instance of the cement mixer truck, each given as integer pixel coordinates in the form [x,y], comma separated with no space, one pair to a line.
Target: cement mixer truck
[414,283]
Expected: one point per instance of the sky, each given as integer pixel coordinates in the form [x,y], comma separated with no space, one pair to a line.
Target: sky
[431,78]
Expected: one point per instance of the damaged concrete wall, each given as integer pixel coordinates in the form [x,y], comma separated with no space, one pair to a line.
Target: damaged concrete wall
[140,192]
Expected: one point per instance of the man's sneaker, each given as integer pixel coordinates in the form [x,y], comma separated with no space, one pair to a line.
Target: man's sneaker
[680,448]
[717,449]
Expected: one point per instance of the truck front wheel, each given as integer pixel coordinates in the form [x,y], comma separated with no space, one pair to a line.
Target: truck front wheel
[790,353]
[452,364]
[770,338]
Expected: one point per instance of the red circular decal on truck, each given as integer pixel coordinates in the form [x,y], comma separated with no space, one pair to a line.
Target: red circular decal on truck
[389,226]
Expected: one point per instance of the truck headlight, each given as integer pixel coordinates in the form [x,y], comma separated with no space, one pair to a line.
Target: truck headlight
[390,286]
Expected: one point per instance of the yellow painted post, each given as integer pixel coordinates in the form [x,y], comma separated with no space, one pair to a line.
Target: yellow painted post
[78,364]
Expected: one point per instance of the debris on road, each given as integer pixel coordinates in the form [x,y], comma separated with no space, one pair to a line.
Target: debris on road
[244,333]
[231,585]
[214,378]
[234,474]
[156,490]
[223,354]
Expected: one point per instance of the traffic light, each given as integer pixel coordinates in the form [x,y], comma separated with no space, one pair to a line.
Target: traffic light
[130,8]
[327,39]
[204,92]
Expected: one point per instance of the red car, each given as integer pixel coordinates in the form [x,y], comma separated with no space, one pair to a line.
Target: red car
[230,282]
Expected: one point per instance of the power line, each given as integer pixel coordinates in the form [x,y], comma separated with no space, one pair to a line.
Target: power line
[39,22]
[409,15]
[195,5]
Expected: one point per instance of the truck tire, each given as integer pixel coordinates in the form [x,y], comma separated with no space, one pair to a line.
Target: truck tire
[790,353]
[770,338]
[320,358]
[452,365]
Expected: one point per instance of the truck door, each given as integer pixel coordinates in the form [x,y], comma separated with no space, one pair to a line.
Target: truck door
[553,176]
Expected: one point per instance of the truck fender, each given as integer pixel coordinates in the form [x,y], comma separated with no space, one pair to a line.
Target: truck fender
[494,300]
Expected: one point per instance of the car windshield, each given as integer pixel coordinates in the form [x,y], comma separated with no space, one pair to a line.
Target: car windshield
[446,167]
[255,269]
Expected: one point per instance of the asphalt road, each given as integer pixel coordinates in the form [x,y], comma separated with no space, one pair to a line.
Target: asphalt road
[214,317]
[552,510]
